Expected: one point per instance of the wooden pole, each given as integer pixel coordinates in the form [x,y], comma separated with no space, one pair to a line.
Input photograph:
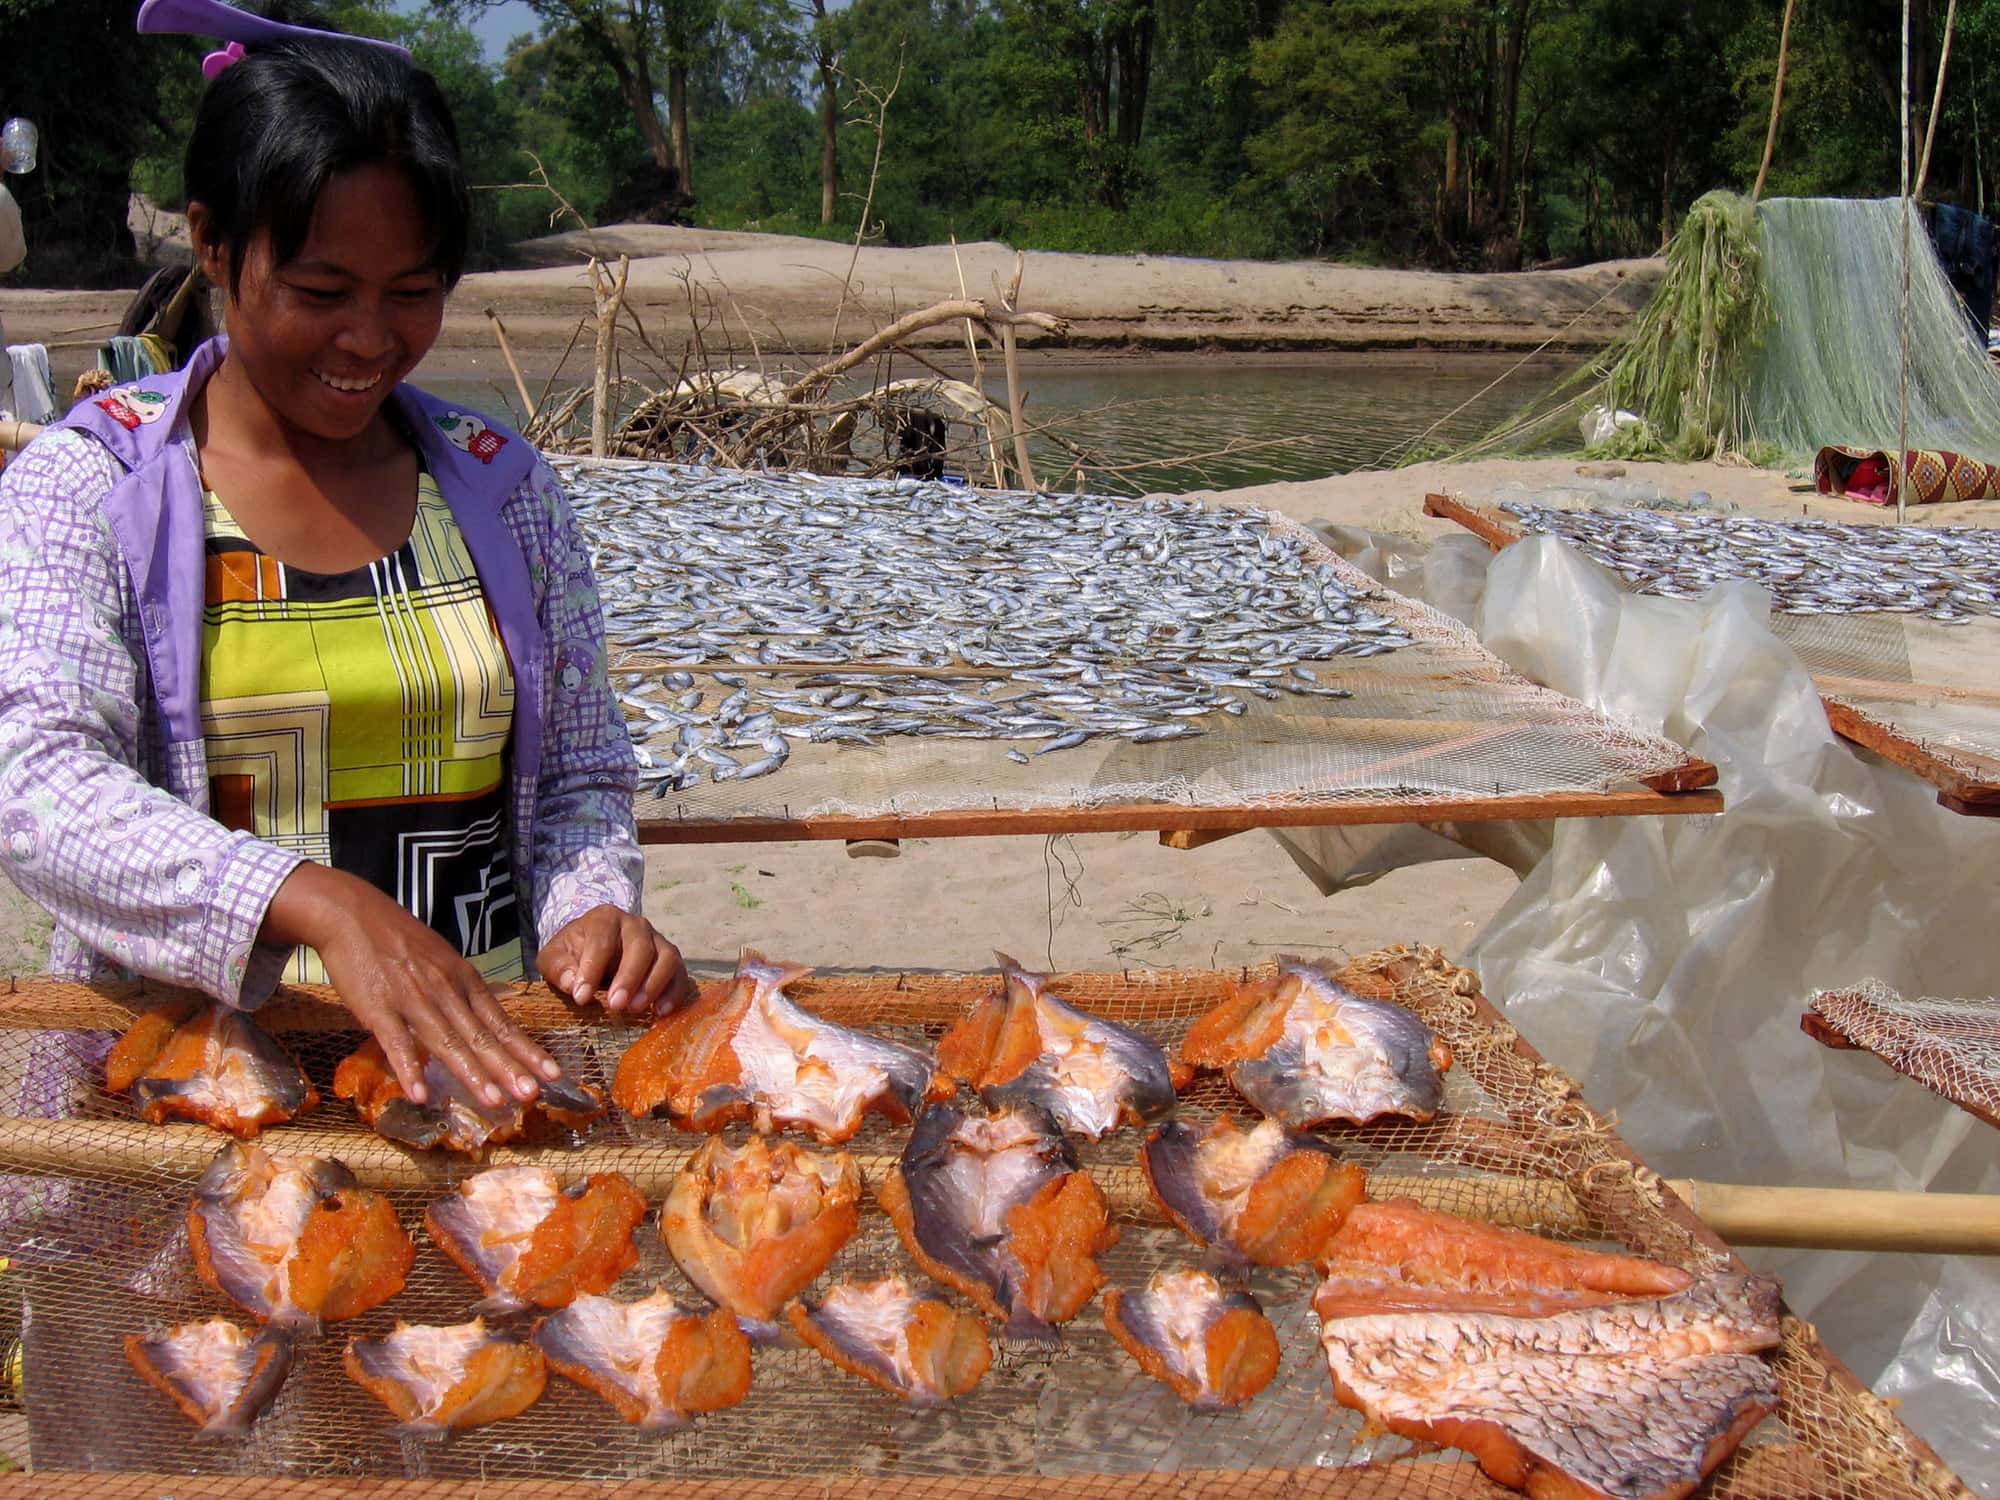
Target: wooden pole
[1902,469]
[1847,1218]
[528,407]
[1015,399]
[132,1148]
[1777,98]
[609,294]
[1937,102]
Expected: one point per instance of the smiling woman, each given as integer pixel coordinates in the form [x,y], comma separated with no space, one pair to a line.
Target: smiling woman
[306,677]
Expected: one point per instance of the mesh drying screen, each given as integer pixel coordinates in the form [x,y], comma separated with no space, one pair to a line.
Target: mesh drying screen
[93,1208]
[1913,686]
[1949,1046]
[1188,696]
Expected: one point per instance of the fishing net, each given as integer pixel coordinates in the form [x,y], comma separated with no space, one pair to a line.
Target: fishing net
[1898,625]
[1236,714]
[94,1203]
[1776,331]
[1951,1047]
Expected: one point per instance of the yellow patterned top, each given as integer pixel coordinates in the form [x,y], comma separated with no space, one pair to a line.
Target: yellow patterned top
[362,719]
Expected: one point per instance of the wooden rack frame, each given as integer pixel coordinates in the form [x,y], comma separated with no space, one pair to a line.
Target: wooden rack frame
[1974,792]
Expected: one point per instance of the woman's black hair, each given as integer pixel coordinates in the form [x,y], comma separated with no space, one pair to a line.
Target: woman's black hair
[280,123]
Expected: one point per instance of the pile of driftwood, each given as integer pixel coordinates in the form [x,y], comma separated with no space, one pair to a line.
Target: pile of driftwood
[706,408]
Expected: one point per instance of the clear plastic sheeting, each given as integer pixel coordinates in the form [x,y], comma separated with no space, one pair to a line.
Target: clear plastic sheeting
[1830,368]
[1664,962]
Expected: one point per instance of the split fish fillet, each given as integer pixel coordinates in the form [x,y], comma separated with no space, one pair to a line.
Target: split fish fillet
[753,1225]
[1631,1400]
[1305,1050]
[219,1376]
[654,1361]
[1267,1195]
[749,1052]
[453,1118]
[914,1346]
[528,1240]
[441,1379]
[294,1239]
[1399,1254]
[208,1063]
[1025,1045]
[998,1208]
[1211,1344]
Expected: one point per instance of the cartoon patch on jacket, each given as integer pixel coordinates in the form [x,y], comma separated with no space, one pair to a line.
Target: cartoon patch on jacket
[134,407]
[471,434]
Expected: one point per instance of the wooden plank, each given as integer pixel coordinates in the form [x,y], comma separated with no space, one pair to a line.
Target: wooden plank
[1165,817]
[1482,524]
[1956,790]
[1197,838]
[1827,1035]
[1778,1470]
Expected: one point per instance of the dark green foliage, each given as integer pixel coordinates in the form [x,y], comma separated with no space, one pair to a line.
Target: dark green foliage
[1459,134]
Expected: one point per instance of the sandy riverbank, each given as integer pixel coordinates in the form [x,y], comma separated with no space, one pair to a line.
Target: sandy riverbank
[782,295]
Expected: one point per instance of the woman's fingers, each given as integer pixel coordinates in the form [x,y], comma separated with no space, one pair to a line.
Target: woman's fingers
[436,1029]
[404,1059]
[639,944]
[667,982]
[597,946]
[490,1014]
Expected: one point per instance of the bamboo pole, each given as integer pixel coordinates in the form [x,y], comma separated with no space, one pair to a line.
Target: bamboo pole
[609,294]
[528,407]
[14,436]
[1777,99]
[132,1148]
[1015,399]
[1937,101]
[1847,1218]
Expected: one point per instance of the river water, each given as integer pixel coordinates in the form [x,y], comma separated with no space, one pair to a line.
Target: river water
[1286,419]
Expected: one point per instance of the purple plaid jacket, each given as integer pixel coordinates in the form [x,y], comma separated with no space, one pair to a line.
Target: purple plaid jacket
[103,770]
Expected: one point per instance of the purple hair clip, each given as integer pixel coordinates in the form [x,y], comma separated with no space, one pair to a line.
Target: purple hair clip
[213,64]
[237,28]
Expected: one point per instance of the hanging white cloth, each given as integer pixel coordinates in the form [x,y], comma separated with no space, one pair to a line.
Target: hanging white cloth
[34,383]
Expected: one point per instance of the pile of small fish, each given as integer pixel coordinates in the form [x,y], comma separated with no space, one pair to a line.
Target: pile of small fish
[1640,1378]
[1043,620]
[1949,573]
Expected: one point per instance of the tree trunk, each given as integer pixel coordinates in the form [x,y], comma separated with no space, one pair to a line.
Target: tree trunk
[1512,59]
[1668,166]
[677,121]
[829,115]
[1132,57]
[829,143]
[635,87]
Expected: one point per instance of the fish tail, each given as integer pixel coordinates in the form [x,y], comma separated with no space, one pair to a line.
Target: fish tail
[767,974]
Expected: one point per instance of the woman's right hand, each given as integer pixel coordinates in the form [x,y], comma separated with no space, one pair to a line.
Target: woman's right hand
[407,985]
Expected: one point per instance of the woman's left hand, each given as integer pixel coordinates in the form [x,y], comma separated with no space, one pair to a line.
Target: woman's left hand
[618,959]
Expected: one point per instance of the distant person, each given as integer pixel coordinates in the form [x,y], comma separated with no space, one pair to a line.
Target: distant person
[305,675]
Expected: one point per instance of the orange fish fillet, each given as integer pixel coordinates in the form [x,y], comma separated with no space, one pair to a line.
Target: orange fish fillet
[750,1053]
[1400,1254]
[452,1118]
[210,1064]
[920,1348]
[294,1239]
[526,1239]
[1213,1346]
[652,1360]
[753,1226]
[439,1379]
[1630,1400]
[999,1209]
[1268,1195]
